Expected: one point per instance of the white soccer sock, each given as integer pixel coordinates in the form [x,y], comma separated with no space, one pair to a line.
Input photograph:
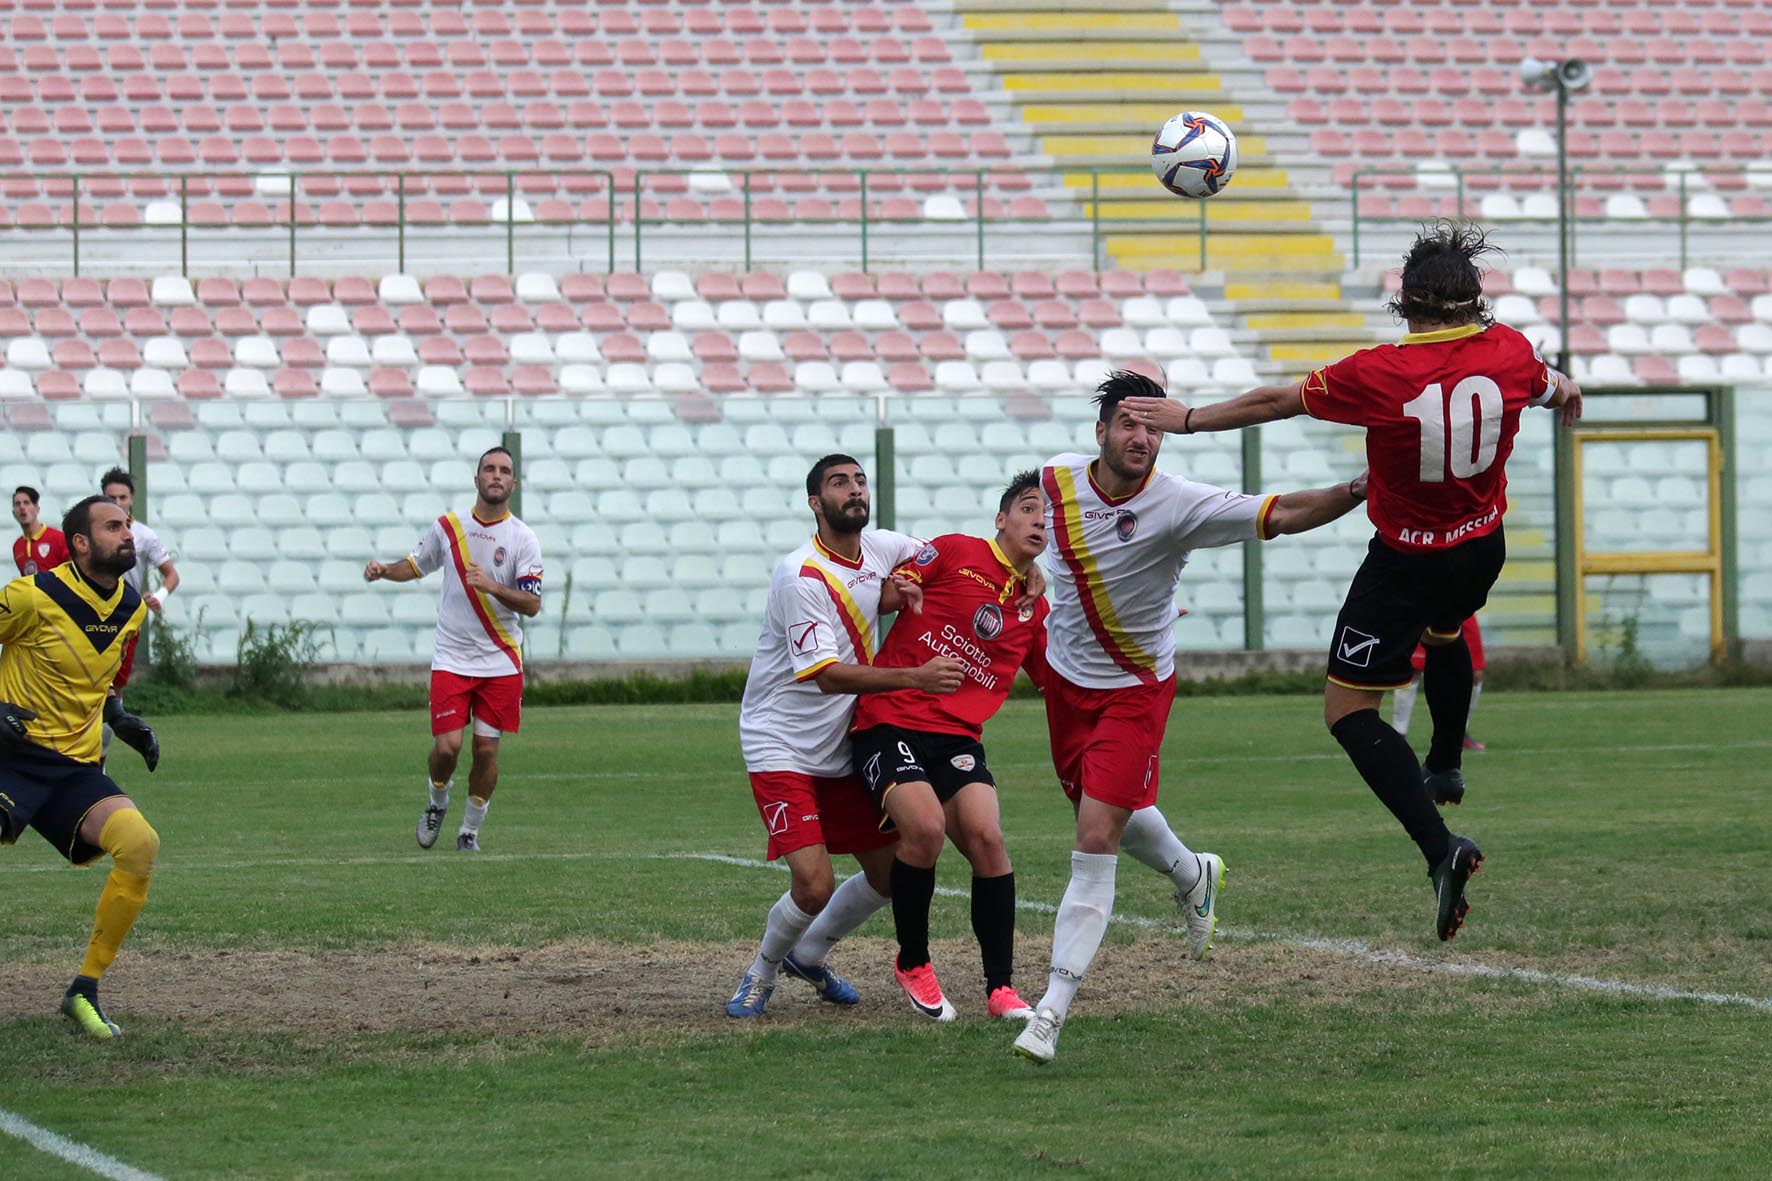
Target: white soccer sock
[440,794]
[787,923]
[853,903]
[1082,921]
[1476,692]
[476,813]
[1403,705]
[1149,838]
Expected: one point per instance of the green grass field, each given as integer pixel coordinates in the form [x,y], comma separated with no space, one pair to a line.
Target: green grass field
[310,995]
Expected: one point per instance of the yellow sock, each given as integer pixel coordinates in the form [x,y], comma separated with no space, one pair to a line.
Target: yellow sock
[133,844]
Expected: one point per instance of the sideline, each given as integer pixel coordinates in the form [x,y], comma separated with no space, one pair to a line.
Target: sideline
[72,1151]
[1353,949]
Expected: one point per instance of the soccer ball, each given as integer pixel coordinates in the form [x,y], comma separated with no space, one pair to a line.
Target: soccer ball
[1194,155]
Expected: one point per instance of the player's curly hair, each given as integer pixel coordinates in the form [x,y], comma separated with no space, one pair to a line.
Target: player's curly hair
[1120,385]
[1442,283]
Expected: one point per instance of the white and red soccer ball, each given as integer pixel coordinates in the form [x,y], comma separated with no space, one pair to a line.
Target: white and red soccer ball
[1194,155]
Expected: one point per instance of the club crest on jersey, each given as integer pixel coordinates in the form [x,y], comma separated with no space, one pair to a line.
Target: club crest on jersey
[1025,612]
[987,622]
[498,556]
[30,569]
[42,549]
[963,762]
[1126,524]
[926,555]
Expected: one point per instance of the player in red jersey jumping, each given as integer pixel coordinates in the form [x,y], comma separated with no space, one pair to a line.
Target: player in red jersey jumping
[1440,411]
[919,755]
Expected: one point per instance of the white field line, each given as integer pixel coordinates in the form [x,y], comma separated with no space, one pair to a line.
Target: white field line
[72,1151]
[1351,948]
[1355,949]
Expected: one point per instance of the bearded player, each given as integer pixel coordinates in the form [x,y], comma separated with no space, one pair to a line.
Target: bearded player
[492,577]
[815,653]
[920,755]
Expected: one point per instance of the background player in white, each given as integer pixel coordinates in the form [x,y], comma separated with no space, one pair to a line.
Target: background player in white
[813,655]
[492,575]
[151,554]
[1118,535]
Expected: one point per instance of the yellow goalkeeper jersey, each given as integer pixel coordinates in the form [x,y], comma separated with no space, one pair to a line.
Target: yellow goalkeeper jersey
[61,643]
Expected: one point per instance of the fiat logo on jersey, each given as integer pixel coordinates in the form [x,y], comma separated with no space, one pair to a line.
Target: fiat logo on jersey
[987,623]
[1126,524]
[498,556]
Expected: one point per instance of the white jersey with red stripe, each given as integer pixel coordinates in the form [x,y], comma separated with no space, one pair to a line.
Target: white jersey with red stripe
[823,609]
[150,555]
[1113,564]
[478,636]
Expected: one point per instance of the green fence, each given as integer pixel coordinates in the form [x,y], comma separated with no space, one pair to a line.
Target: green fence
[1666,195]
[623,223]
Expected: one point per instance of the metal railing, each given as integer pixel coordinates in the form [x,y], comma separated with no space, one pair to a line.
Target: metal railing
[1643,181]
[626,199]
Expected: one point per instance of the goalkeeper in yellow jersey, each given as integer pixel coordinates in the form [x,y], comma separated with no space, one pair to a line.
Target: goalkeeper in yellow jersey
[62,636]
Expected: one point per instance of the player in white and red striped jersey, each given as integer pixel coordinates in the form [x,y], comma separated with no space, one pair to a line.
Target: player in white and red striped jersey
[814,654]
[1440,410]
[1118,534]
[492,577]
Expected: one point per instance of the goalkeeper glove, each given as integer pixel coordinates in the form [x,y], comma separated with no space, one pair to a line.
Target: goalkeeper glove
[132,731]
[12,725]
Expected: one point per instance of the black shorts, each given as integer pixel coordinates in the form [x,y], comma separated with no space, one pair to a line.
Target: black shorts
[51,793]
[1396,596]
[886,756]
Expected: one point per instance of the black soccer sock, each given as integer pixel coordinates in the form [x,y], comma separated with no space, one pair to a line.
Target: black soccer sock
[1385,762]
[1446,682]
[993,921]
[912,890]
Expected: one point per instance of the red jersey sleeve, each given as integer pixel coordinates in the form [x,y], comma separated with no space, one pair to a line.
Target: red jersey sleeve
[1336,393]
[928,562]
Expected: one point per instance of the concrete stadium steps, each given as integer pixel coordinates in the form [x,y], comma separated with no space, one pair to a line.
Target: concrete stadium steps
[1093,79]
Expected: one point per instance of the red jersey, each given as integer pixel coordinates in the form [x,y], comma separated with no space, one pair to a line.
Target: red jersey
[1440,410]
[47,550]
[969,613]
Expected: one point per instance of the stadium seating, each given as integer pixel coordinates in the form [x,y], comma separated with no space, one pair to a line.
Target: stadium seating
[1414,89]
[220,110]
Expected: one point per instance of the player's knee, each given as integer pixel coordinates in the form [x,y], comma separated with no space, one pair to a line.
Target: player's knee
[813,894]
[448,745]
[131,841]
[485,751]
[919,842]
[984,848]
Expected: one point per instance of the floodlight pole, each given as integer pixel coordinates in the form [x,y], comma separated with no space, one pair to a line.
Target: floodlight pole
[1563,199]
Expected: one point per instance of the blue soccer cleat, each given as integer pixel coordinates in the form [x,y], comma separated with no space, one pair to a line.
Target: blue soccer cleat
[831,987]
[750,998]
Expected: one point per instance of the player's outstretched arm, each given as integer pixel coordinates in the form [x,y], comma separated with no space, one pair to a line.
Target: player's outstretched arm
[400,571]
[1268,403]
[1300,512]
[941,675]
[1567,399]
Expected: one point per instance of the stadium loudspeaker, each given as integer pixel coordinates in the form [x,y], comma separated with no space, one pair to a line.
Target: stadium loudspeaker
[1576,74]
[1538,73]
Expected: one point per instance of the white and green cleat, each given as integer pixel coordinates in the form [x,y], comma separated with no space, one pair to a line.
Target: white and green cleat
[1199,906]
